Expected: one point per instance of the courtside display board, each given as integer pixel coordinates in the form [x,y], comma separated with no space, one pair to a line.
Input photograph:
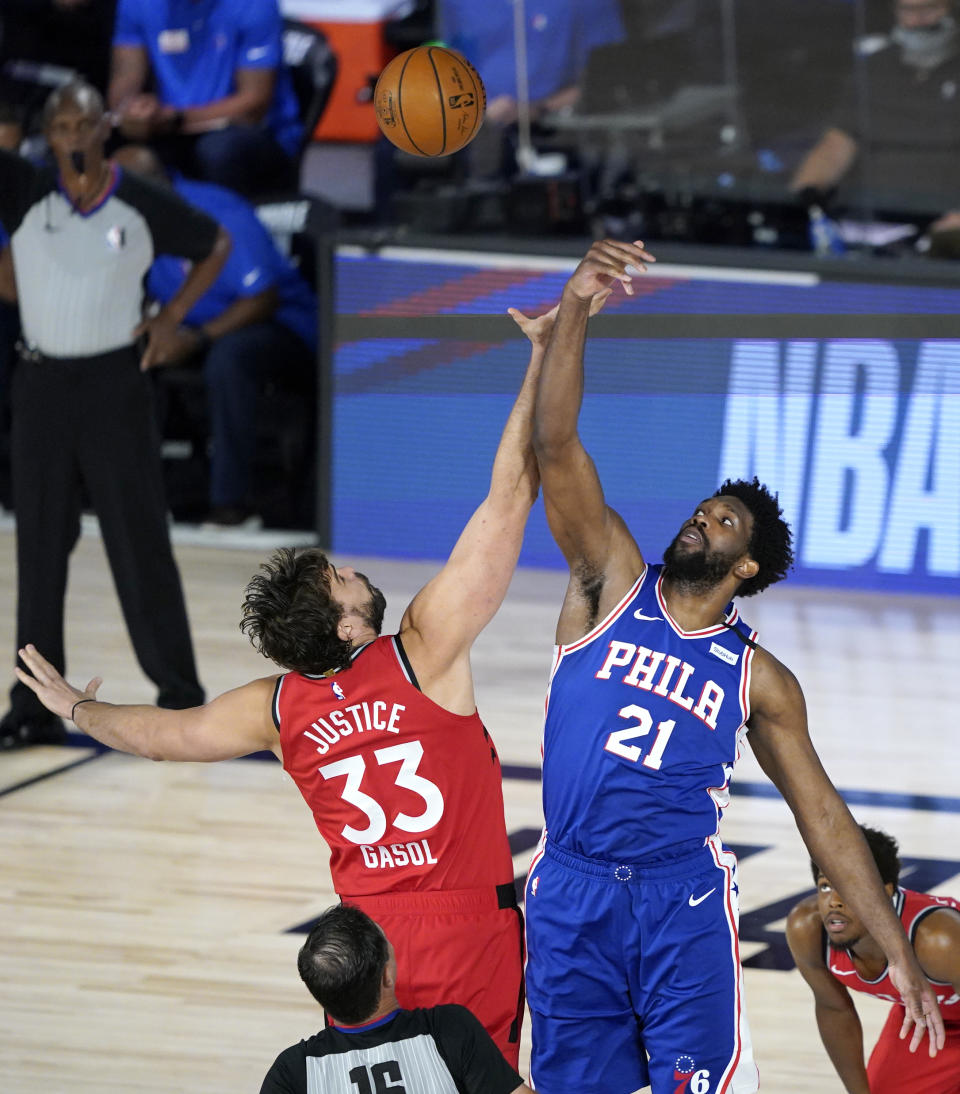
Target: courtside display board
[842,396]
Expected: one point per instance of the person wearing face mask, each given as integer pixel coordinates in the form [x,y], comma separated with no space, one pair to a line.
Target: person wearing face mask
[896,128]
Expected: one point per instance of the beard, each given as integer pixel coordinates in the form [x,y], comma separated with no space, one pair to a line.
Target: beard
[373,613]
[696,571]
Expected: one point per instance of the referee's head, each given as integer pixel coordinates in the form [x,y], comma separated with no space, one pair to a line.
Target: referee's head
[349,966]
[77,96]
[76,127]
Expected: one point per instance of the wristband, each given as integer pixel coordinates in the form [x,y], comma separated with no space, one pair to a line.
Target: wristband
[73,709]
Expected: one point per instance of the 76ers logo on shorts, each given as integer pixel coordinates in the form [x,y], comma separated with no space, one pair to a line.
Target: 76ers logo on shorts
[689,1080]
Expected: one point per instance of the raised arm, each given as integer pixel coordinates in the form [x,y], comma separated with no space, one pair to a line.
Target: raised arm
[780,741]
[837,1018]
[603,557]
[441,623]
[236,723]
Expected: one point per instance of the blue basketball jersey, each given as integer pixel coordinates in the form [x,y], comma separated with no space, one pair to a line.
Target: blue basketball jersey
[644,723]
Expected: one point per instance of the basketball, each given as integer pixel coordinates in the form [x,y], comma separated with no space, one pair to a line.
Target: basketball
[429,101]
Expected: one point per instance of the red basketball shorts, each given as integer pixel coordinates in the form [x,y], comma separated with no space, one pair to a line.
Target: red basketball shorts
[894,1069]
[457,947]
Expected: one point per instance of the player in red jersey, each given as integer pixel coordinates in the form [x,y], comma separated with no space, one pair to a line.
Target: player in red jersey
[836,955]
[382,736]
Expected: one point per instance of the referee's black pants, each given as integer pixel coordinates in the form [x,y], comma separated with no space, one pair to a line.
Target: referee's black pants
[90,420]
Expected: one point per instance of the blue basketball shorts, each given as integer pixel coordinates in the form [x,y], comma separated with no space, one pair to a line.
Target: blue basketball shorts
[633,974]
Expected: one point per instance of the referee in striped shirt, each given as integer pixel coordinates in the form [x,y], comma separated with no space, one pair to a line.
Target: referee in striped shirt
[83,236]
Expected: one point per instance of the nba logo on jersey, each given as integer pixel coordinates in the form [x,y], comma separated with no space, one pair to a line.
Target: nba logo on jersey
[337,690]
[534,884]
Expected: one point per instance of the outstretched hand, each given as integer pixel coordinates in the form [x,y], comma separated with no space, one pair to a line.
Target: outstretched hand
[49,686]
[608,261]
[920,1007]
[538,328]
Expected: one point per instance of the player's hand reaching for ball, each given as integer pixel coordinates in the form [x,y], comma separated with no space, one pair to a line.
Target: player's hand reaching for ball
[538,328]
[607,262]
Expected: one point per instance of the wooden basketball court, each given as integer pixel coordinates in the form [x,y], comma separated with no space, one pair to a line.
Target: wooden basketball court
[148,911]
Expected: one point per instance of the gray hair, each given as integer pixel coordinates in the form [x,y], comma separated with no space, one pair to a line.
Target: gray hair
[78,95]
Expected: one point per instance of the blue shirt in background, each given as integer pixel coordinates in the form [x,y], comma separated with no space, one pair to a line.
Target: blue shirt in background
[560,35]
[254,264]
[196,46]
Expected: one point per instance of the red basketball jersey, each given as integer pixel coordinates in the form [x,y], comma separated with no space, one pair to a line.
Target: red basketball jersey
[912,908]
[407,795]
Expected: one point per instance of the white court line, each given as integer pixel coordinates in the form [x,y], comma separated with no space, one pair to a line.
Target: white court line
[503,261]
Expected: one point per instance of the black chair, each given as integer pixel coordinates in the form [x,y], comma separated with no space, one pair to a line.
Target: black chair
[313,69]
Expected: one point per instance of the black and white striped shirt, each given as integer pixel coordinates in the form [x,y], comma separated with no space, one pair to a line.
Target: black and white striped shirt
[440,1050]
[80,273]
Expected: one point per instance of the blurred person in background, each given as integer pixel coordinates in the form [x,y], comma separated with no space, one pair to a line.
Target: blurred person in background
[83,234]
[897,120]
[560,35]
[224,108]
[258,321]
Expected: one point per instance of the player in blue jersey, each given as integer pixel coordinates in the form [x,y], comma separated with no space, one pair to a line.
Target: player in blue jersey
[633,973]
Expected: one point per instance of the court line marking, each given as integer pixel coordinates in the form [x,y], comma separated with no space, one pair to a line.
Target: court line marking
[551,263]
[44,775]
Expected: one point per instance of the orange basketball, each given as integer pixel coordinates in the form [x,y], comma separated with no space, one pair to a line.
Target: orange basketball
[429,101]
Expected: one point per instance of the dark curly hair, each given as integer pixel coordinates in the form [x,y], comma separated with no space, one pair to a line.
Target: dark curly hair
[289,615]
[770,541]
[885,851]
